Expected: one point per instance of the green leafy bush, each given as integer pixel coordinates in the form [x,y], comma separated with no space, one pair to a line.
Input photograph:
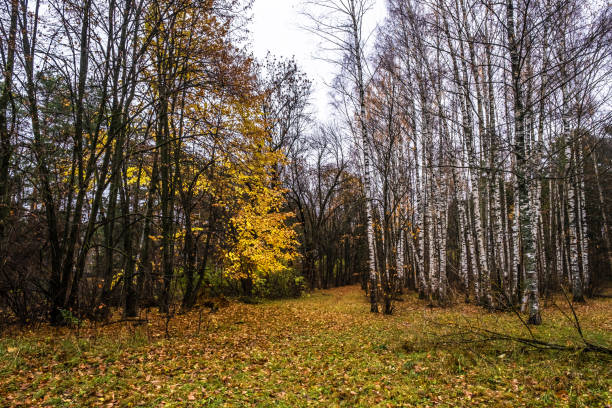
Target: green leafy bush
[285,284]
[278,285]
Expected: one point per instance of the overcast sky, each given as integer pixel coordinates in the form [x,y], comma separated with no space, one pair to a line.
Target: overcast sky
[276,28]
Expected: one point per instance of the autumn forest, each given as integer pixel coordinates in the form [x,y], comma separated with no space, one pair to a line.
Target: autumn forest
[183,223]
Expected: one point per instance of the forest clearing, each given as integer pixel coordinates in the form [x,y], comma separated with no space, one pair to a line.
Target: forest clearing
[306,203]
[324,349]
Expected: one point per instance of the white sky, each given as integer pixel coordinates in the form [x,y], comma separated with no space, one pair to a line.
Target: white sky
[276,28]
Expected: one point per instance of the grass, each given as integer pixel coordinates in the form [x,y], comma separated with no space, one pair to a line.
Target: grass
[324,349]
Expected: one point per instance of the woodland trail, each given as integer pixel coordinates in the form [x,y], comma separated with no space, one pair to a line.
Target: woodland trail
[324,349]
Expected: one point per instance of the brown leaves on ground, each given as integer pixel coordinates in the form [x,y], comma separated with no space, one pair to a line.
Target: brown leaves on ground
[324,349]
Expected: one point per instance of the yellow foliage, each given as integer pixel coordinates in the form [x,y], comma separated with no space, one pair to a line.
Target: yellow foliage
[228,132]
[139,176]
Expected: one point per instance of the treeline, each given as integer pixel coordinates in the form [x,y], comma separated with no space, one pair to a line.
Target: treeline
[146,159]
[483,136]
[142,148]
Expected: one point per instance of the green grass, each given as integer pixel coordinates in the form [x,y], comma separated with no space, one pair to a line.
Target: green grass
[325,349]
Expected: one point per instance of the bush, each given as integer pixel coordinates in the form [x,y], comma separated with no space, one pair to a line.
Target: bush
[285,284]
[24,270]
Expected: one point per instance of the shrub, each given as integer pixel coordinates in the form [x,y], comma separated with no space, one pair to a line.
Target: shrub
[285,284]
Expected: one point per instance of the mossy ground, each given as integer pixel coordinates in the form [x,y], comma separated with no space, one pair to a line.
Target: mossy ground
[324,349]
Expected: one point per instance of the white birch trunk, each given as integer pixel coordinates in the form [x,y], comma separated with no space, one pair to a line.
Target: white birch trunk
[584,242]
[516,252]
[574,267]
[442,226]
[463,233]
[523,172]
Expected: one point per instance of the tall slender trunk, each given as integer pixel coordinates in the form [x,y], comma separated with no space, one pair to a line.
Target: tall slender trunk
[5,133]
[584,239]
[463,254]
[523,173]
[129,262]
[559,230]
[419,186]
[442,236]
[571,187]
[360,83]
[573,221]
[498,216]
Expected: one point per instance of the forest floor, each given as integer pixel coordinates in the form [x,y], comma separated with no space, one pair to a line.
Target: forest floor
[324,349]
